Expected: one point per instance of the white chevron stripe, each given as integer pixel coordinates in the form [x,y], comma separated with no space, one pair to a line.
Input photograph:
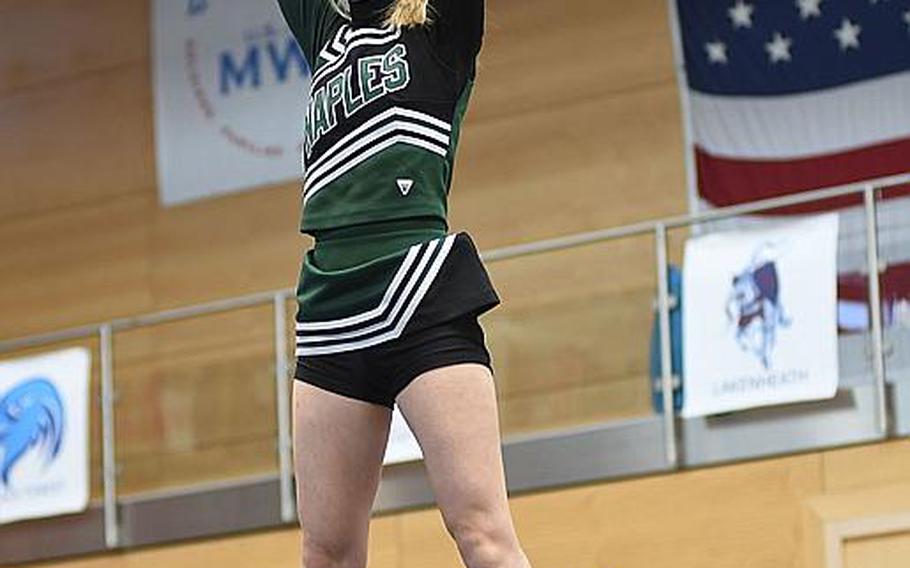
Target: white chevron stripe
[413,252]
[397,112]
[326,52]
[399,328]
[338,62]
[314,172]
[353,34]
[369,153]
[403,299]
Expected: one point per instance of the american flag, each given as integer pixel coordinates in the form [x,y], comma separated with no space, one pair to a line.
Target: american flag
[791,95]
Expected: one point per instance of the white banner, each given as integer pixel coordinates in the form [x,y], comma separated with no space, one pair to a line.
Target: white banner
[230,87]
[402,446]
[760,317]
[44,449]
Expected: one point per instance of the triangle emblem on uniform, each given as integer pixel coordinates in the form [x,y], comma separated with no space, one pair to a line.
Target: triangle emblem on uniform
[405,185]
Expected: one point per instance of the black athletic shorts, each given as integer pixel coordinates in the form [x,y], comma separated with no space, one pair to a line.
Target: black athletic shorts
[378,374]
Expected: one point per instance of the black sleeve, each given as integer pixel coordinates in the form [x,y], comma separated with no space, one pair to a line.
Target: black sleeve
[311,22]
[460,24]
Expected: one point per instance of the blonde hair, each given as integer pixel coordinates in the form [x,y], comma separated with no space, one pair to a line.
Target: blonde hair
[406,13]
[402,14]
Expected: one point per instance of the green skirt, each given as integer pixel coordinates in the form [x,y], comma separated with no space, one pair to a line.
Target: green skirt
[364,285]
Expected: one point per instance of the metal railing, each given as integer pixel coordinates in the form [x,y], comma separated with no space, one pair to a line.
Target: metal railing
[278,299]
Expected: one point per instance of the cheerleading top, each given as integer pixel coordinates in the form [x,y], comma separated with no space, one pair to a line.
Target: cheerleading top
[385,111]
[380,135]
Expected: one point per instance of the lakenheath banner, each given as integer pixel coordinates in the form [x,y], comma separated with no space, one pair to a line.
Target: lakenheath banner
[230,88]
[44,441]
[760,318]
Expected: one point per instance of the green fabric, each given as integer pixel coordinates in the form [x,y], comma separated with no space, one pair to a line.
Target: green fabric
[460,109]
[370,192]
[347,247]
[349,270]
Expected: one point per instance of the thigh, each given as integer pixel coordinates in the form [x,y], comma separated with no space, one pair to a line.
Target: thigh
[339,444]
[453,413]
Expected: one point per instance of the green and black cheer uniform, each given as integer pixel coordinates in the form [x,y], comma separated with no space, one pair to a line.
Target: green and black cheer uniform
[386,293]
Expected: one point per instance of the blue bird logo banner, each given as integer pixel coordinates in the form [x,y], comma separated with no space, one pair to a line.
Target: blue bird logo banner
[44,449]
[31,419]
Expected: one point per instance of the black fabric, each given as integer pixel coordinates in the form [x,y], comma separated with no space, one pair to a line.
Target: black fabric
[377,375]
[369,13]
[456,27]
[312,22]
[462,286]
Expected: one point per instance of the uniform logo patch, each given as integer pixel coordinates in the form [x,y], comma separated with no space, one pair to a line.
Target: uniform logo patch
[405,185]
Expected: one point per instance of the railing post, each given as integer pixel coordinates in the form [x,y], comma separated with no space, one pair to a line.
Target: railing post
[666,349]
[875,310]
[285,465]
[108,441]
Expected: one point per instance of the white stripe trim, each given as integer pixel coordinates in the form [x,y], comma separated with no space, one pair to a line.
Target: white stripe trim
[417,115]
[385,115]
[338,62]
[326,52]
[337,43]
[348,166]
[403,299]
[314,172]
[399,328]
[803,125]
[352,33]
[375,312]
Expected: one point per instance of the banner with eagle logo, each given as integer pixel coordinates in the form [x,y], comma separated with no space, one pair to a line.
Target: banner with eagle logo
[760,317]
[44,447]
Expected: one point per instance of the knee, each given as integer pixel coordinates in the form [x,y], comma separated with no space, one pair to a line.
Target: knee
[332,554]
[485,539]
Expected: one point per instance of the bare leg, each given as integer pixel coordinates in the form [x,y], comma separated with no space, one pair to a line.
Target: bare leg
[454,416]
[338,449]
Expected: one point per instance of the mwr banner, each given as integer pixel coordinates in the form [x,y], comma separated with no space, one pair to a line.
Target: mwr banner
[230,86]
[760,318]
[44,450]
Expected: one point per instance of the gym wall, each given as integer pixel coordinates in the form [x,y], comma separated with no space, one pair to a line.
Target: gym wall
[575,127]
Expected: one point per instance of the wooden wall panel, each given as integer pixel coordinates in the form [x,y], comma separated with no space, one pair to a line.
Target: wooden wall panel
[575,126]
[745,515]
[570,343]
[540,54]
[885,551]
[240,244]
[749,514]
[734,516]
[67,39]
[581,166]
[849,469]
[77,141]
[74,266]
[196,400]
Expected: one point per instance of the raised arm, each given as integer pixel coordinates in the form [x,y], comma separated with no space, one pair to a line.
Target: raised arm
[311,22]
[462,23]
